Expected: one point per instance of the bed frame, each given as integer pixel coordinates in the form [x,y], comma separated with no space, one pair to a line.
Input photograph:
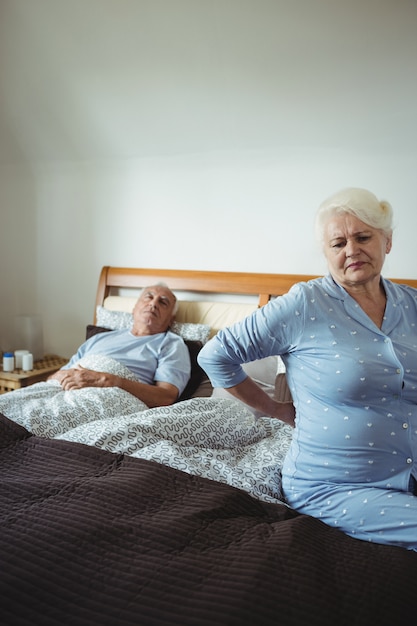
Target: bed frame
[264,286]
[95,537]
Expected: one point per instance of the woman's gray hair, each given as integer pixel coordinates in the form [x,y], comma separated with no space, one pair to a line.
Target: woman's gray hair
[358,202]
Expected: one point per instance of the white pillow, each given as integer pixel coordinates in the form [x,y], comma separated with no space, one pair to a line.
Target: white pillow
[192,332]
[265,373]
[119,320]
[115,320]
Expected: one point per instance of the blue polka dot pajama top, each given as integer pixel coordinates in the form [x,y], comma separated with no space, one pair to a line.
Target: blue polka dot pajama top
[353,457]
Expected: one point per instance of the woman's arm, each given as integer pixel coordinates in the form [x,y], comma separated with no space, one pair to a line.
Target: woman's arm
[250,393]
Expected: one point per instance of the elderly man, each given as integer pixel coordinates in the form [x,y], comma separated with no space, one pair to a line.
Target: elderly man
[159,358]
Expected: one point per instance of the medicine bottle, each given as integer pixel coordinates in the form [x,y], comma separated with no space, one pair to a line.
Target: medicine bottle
[8,362]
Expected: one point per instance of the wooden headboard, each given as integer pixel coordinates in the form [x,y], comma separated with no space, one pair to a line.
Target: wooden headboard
[263,286]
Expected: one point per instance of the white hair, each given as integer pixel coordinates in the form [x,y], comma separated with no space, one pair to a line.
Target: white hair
[359,202]
[162,284]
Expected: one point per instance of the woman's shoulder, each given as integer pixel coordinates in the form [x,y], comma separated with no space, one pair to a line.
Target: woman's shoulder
[319,285]
[299,297]
[399,291]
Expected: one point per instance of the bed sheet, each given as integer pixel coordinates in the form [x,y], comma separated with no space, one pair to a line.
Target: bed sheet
[215,438]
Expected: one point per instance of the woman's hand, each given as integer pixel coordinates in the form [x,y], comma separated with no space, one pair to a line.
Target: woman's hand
[285,411]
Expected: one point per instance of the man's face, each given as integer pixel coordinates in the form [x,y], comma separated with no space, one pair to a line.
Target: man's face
[154,311]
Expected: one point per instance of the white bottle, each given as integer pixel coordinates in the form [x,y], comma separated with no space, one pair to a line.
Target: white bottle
[27,362]
[18,358]
[8,362]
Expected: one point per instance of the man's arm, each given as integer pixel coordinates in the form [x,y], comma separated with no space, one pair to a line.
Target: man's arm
[159,394]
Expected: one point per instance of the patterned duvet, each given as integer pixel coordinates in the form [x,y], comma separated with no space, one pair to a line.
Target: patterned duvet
[214,438]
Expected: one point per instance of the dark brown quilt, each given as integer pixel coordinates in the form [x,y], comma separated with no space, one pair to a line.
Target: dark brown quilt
[89,537]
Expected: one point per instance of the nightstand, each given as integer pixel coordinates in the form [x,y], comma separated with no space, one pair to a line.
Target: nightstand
[41,370]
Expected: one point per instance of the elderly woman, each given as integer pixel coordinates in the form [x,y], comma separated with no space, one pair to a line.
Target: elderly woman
[349,342]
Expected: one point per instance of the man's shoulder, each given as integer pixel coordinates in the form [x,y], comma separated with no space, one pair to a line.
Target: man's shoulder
[108,336]
[174,337]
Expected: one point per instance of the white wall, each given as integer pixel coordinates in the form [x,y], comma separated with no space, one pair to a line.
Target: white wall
[192,134]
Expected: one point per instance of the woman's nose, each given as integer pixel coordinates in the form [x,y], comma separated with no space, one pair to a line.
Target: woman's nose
[351,248]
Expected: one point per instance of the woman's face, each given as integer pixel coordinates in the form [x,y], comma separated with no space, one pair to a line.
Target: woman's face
[355,252]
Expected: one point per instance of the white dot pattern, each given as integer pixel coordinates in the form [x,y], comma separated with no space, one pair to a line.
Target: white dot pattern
[354,387]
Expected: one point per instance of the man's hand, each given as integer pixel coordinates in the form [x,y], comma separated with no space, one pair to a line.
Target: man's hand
[79,377]
[158,394]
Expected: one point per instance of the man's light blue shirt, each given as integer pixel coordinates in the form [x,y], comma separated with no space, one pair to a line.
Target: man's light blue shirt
[162,357]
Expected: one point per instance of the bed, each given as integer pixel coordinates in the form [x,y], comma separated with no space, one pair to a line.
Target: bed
[175,515]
